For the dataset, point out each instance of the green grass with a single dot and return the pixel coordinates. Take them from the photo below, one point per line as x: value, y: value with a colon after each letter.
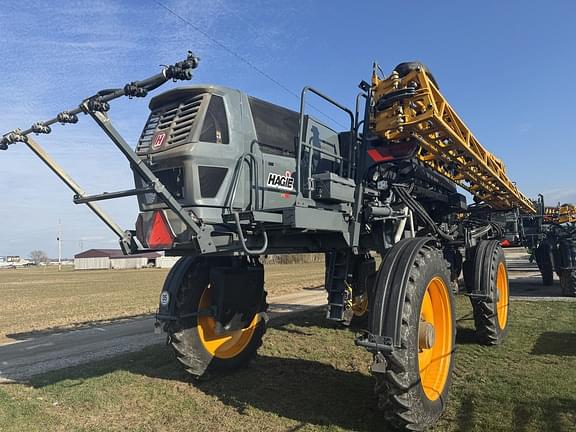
x: 39, y: 299
x: 310, y: 377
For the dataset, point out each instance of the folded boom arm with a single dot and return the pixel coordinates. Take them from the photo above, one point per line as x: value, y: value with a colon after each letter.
x: 412, y: 108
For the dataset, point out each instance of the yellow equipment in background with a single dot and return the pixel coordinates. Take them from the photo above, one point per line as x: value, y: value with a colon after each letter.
x: 567, y: 213
x: 551, y: 214
x: 411, y: 107
x: 560, y: 214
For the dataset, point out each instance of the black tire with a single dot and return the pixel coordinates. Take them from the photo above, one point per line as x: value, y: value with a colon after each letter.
x: 184, y: 336
x: 545, y: 264
x: 568, y: 283
x: 400, y: 391
x: 547, y: 276
x: 490, y: 315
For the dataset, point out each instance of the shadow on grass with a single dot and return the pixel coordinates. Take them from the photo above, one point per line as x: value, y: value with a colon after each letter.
x: 309, y: 392
x: 555, y: 343
x: 465, y: 415
x: 466, y: 336
x: 554, y: 413
x: 302, y: 390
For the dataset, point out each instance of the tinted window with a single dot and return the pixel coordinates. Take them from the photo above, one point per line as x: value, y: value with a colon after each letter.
x: 276, y: 127
x: 215, y: 127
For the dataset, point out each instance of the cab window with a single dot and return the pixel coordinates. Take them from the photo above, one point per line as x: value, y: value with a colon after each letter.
x: 276, y: 127
x: 215, y: 127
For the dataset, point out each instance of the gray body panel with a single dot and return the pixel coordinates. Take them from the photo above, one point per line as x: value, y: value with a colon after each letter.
x: 254, y: 180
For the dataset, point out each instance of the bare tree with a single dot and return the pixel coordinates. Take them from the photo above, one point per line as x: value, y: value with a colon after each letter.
x: 38, y: 256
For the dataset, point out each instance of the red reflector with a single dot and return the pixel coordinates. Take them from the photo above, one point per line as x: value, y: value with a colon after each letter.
x: 160, y: 235
x: 505, y: 243
x: 379, y: 157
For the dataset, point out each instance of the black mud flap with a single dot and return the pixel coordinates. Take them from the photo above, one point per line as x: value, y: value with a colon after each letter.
x: 237, y: 295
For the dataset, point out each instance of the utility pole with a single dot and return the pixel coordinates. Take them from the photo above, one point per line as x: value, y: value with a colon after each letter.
x: 59, y: 245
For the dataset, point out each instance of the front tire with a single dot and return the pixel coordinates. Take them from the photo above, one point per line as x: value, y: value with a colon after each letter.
x: 413, y: 390
x: 545, y: 264
x: 197, y: 346
x: 491, y: 281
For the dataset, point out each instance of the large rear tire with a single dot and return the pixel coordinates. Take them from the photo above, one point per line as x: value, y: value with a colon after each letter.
x: 413, y: 390
x: 197, y: 345
x: 490, y: 279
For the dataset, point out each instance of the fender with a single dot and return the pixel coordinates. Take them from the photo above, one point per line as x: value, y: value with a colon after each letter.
x: 173, y: 282
x: 482, y: 267
x: 393, y: 274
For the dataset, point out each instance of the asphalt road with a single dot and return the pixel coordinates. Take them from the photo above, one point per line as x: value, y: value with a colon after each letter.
x: 23, y: 359
x: 39, y: 354
x: 526, y: 281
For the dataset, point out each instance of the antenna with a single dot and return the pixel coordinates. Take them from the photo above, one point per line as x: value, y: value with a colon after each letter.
x: 59, y: 245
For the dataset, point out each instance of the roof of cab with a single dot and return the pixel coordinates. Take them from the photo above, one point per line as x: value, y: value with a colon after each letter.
x: 170, y: 95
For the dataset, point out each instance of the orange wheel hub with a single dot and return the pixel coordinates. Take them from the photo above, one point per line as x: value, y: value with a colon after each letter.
x: 503, y: 295
x: 435, y: 338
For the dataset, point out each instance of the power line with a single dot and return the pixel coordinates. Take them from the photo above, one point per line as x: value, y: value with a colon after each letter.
x: 242, y: 59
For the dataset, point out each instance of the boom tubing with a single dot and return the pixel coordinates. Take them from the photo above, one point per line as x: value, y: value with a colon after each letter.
x: 412, y: 108
x: 100, y: 101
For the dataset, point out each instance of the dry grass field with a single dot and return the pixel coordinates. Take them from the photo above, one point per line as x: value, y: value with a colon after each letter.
x: 37, y: 299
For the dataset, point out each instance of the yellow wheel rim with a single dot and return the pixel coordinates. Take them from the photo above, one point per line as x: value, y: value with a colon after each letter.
x: 503, y: 294
x: 434, y: 360
x: 225, y: 345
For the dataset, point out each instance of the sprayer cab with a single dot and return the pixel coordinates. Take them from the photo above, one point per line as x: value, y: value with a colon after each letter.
x: 218, y: 151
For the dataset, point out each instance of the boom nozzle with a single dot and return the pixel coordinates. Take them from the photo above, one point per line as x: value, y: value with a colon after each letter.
x: 179, y: 71
x: 12, y: 137
x: 183, y: 69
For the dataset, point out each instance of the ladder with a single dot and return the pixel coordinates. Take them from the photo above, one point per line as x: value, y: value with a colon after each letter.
x: 412, y: 108
x: 339, y: 290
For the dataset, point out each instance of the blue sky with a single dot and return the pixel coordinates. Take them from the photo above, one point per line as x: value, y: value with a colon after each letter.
x: 506, y: 67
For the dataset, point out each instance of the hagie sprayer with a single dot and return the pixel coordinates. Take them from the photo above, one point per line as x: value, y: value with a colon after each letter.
x: 556, y: 249
x: 223, y: 178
